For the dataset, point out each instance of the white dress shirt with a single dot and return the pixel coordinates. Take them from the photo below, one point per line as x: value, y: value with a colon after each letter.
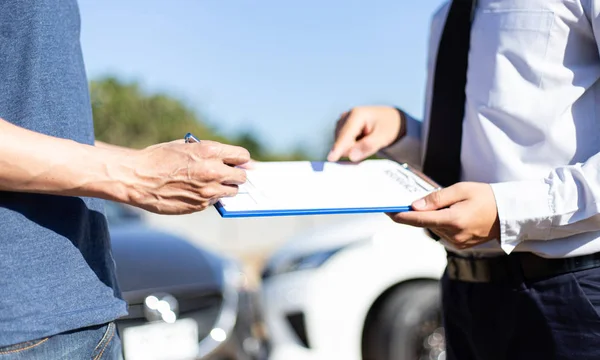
x: 532, y: 122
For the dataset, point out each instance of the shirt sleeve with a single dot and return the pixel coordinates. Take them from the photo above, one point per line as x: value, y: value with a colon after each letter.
x: 566, y: 202
x: 407, y: 148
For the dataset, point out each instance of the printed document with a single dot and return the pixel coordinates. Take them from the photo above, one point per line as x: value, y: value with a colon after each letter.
x: 304, y: 187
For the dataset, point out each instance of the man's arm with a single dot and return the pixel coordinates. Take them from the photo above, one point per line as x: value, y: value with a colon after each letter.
x: 32, y: 162
x: 566, y: 202
x: 366, y: 130
x: 103, y: 145
x: 170, y: 178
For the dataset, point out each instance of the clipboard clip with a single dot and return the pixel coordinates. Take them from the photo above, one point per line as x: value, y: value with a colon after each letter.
x: 422, y: 176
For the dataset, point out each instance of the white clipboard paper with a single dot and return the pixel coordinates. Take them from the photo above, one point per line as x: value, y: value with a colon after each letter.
x: 316, y: 188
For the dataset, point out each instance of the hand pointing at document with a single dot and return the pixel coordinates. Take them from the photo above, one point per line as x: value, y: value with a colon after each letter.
x: 464, y: 214
x: 362, y: 131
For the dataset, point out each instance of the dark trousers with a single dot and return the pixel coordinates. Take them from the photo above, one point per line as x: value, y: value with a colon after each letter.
x: 552, y: 318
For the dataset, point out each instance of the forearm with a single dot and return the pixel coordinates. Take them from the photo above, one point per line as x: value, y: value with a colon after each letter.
x: 32, y: 162
x: 407, y: 147
x: 103, y: 145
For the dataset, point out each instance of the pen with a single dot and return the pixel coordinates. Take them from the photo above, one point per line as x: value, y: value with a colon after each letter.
x: 189, y: 138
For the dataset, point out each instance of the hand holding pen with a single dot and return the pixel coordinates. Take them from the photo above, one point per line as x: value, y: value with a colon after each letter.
x: 181, y: 177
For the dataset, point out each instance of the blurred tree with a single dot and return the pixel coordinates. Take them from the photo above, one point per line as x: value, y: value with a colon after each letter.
x: 298, y: 153
x: 249, y: 141
x: 125, y: 115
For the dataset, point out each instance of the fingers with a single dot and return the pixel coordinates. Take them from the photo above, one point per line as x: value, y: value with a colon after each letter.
x: 348, y: 130
x: 363, y: 131
x: 214, y: 171
x: 229, y: 154
x: 249, y: 165
x: 228, y: 191
x: 234, y: 155
x: 232, y: 176
x: 441, y: 198
x: 219, y: 163
x: 216, y: 191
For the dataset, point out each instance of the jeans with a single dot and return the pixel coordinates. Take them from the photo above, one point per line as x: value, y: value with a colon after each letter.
x: 96, y: 343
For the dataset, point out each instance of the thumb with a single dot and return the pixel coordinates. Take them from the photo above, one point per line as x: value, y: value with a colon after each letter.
x: 439, y: 199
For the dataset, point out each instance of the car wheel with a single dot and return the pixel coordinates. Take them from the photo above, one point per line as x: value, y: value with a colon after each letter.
x: 407, y: 325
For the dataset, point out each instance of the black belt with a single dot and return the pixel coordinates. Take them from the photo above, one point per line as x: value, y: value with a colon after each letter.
x: 505, y: 268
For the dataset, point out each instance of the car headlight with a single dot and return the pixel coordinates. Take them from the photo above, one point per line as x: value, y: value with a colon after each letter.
x: 302, y: 262
x: 234, y: 280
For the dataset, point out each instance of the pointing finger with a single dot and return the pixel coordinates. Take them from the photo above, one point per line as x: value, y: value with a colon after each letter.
x: 346, y: 138
x: 364, y: 148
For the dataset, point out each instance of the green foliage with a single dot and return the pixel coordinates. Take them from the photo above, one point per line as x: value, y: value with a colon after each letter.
x: 127, y: 116
x: 124, y: 115
x: 249, y: 141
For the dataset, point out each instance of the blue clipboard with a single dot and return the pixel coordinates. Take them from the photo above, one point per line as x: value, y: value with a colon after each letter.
x: 419, y: 183
x: 299, y: 212
x: 404, y: 177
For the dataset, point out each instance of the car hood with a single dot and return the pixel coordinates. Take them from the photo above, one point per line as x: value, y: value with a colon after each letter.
x: 331, y: 236
x: 149, y: 260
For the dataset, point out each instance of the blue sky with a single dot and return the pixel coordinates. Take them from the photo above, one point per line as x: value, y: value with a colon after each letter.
x: 283, y: 68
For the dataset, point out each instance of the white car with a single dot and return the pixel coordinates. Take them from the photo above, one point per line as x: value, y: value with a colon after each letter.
x: 366, y: 288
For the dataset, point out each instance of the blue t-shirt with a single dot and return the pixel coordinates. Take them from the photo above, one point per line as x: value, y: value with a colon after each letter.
x: 56, y: 266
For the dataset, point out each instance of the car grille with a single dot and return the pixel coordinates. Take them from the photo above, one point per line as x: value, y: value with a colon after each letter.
x: 204, y: 309
x: 298, y: 324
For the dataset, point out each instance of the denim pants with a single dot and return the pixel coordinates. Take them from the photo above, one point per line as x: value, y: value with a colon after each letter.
x: 95, y: 343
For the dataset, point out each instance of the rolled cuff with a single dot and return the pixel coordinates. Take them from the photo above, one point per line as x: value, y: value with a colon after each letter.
x: 407, y: 148
x: 524, y: 211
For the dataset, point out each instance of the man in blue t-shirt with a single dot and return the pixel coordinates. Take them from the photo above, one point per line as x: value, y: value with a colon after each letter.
x: 59, y: 294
